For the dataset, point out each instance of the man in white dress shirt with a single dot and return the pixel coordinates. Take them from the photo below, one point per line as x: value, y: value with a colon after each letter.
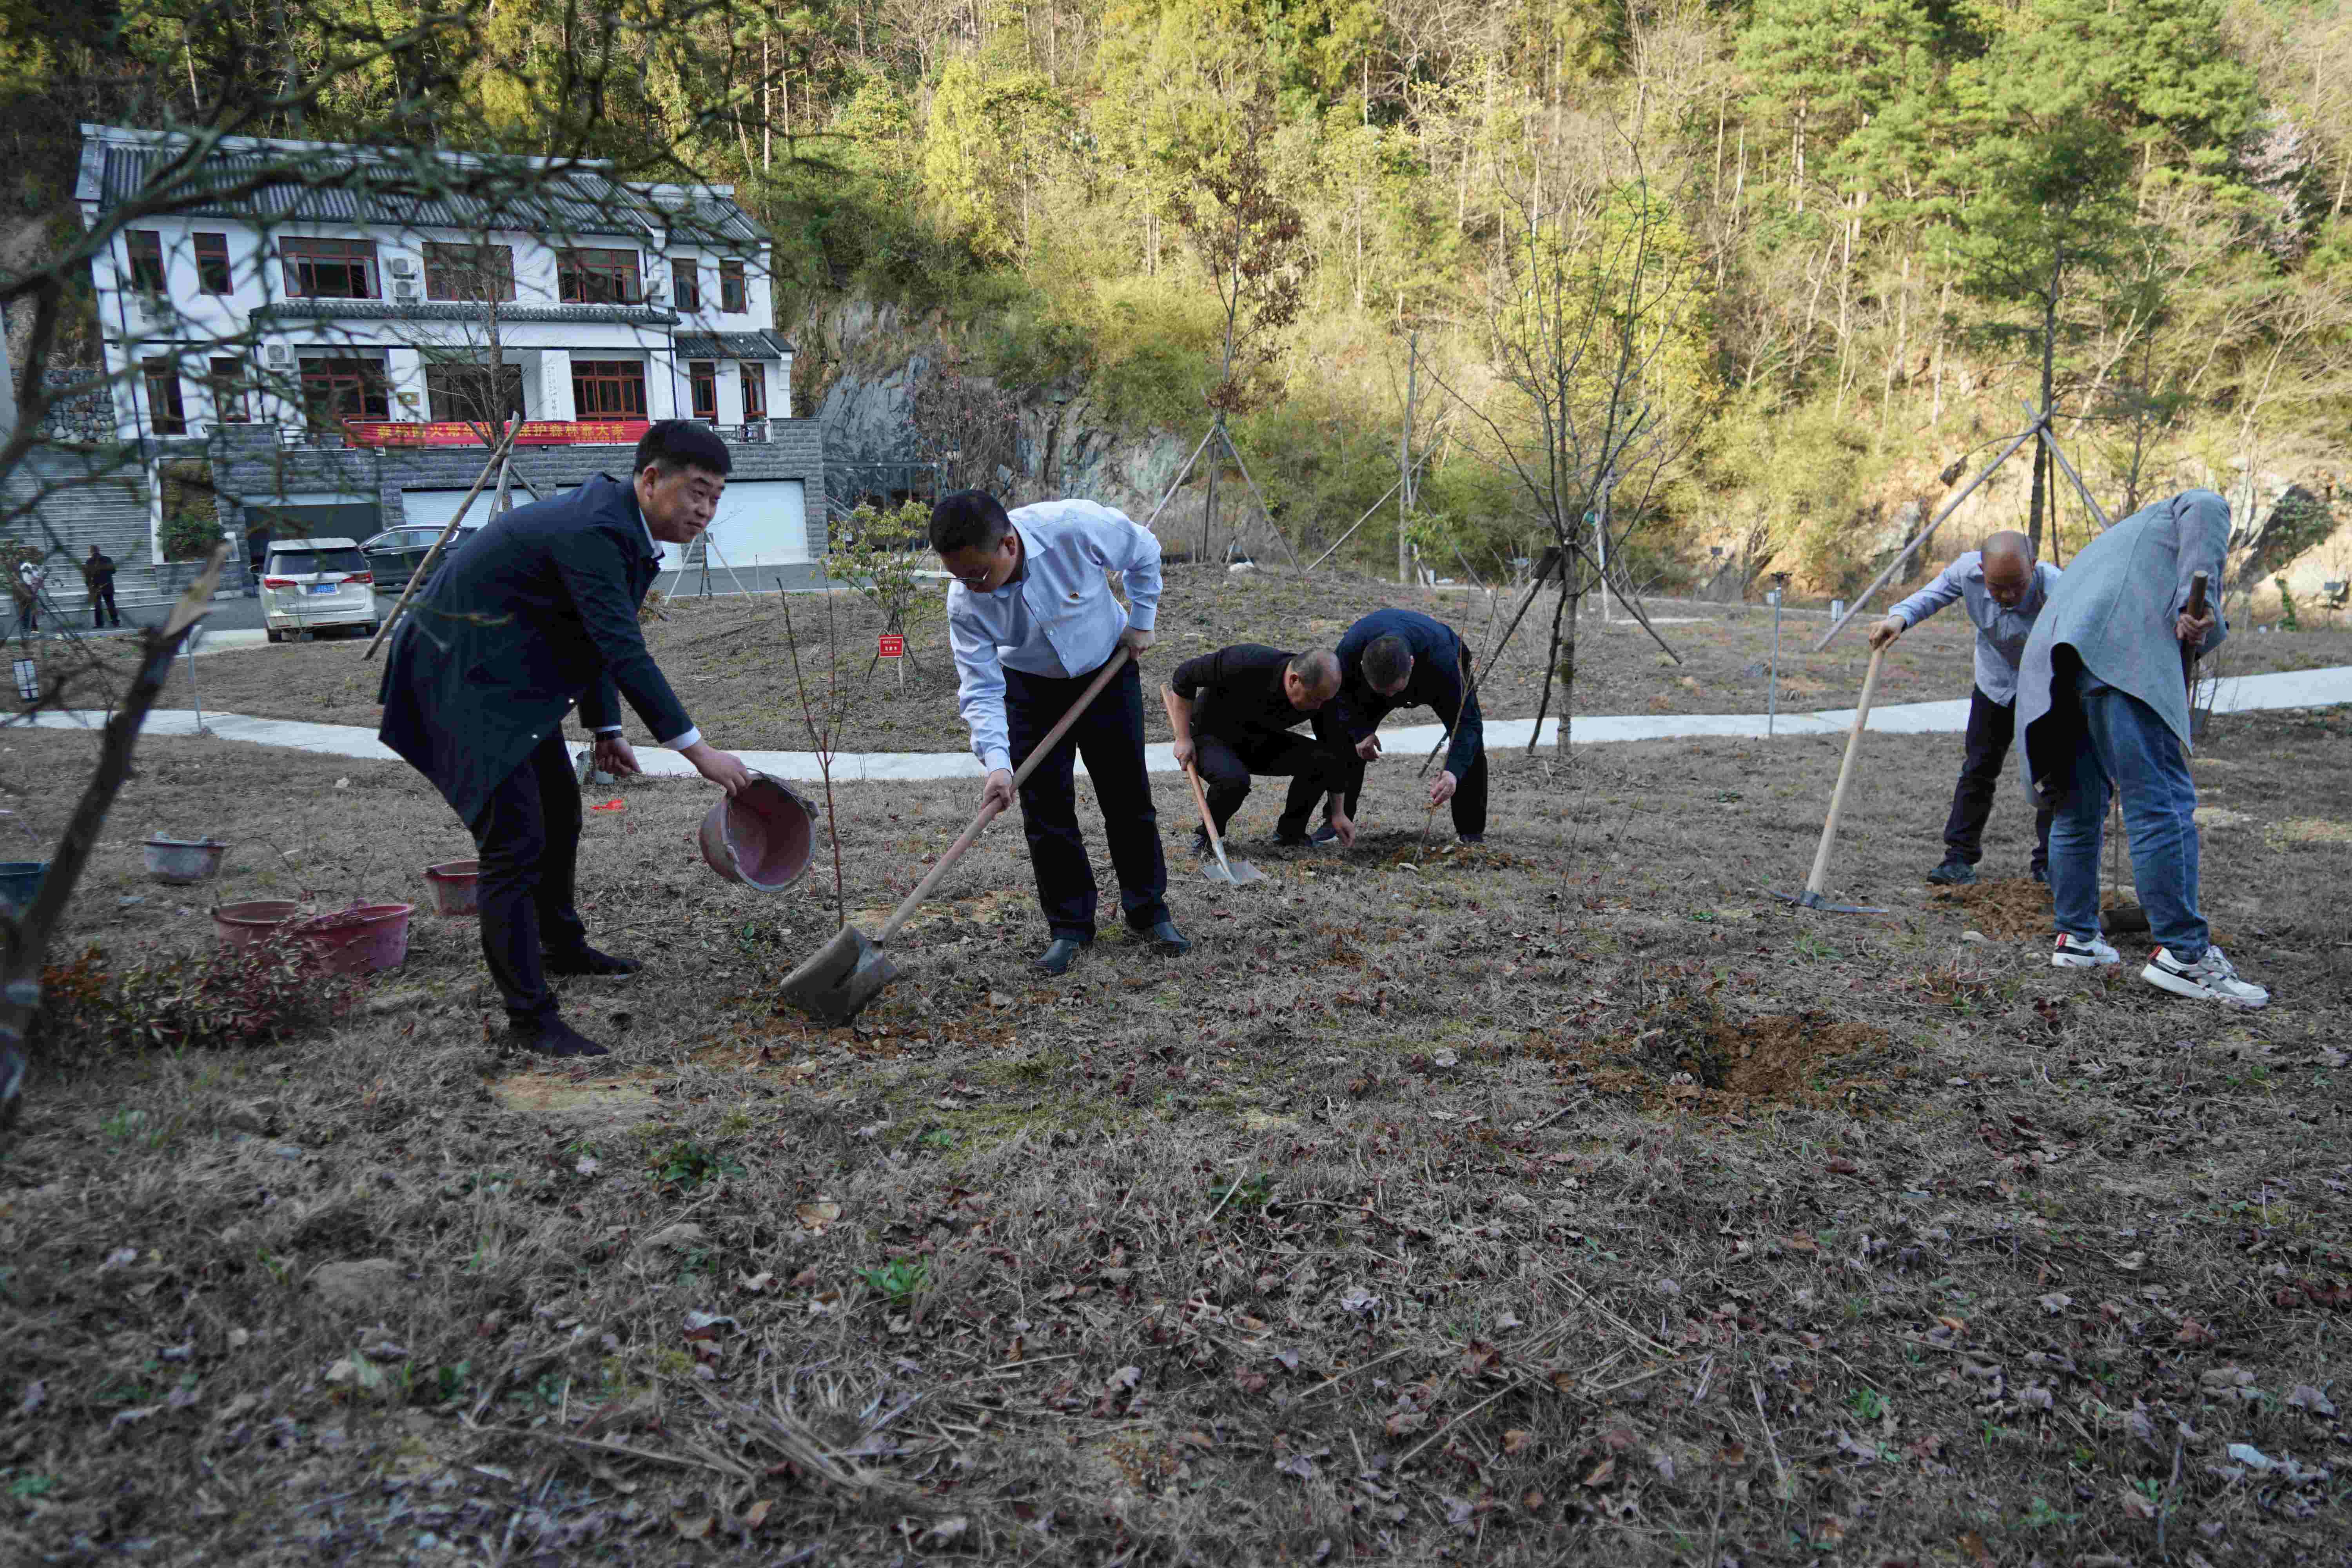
x: 2002, y: 589
x: 1031, y: 620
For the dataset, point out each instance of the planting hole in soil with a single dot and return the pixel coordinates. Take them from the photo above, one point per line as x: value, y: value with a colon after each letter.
x: 2007, y: 909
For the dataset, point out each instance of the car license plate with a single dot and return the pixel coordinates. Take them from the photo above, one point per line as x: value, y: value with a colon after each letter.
x: 326, y: 587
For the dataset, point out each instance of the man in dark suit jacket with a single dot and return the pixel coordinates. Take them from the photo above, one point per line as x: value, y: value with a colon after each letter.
x: 1402, y: 658
x: 535, y: 613
x: 1232, y: 713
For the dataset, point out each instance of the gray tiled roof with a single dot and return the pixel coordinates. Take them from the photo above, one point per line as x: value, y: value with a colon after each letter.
x: 732, y: 345
x: 419, y: 189
x: 443, y: 310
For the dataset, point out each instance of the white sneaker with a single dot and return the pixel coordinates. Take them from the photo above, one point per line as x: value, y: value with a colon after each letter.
x: 2211, y: 978
x: 2072, y: 952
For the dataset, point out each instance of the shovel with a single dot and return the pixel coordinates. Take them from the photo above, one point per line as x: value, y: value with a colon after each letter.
x: 837, y: 982
x: 1234, y: 873
x: 1811, y: 898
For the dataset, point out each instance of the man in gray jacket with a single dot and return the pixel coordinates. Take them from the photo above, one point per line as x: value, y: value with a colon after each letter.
x: 2102, y: 706
x: 2002, y: 589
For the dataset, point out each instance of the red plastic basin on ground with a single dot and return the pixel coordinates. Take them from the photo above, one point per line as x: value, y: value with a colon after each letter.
x: 359, y: 939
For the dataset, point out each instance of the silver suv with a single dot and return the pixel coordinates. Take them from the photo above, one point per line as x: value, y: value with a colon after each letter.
x: 311, y: 585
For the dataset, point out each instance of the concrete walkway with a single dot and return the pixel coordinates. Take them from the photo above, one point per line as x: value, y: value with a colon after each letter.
x: 2239, y: 694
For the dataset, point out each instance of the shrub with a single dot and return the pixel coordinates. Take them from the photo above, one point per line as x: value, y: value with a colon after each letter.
x: 187, y: 538
x: 221, y: 999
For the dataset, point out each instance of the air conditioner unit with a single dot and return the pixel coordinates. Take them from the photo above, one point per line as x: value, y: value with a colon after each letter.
x: 404, y: 267
x: 655, y: 290
x: 278, y: 353
x: 402, y: 289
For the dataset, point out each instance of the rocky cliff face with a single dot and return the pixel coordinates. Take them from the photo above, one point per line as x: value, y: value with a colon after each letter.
x: 858, y: 365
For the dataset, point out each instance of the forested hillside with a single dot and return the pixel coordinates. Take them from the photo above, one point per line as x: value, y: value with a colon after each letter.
x: 1784, y: 265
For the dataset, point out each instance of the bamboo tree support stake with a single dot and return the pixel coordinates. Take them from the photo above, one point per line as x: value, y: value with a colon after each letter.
x: 1922, y: 537
x: 1264, y: 511
x: 425, y: 567
x: 1369, y: 513
x: 2050, y: 438
x: 1181, y: 475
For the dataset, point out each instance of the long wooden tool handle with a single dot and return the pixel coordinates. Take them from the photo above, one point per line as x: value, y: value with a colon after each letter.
x: 1845, y: 777
x: 423, y: 567
x: 1216, y: 841
x: 2197, y: 586
x: 990, y: 812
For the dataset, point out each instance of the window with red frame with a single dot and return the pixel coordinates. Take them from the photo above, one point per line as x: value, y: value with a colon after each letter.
x: 164, y: 408
x: 702, y: 375
x: 731, y: 296
x: 212, y: 264
x: 608, y: 389
x: 755, y: 392
x: 229, y: 391
x: 146, y: 247
x: 329, y: 268
x: 686, y: 283
x: 597, y: 277
x: 336, y: 390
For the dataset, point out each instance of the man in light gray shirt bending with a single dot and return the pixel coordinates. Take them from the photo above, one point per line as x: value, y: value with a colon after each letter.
x: 2004, y: 589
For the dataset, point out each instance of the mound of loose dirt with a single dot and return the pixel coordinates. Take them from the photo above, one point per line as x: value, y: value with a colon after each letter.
x: 1723, y: 1067
x: 2007, y: 910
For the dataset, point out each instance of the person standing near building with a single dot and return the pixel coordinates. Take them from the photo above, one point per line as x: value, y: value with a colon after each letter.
x: 2103, y: 709
x: 26, y: 588
x: 98, y: 577
x: 2003, y: 589
x: 537, y: 613
x: 1031, y: 621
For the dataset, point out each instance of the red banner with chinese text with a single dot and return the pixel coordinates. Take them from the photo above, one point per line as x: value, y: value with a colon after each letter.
x: 534, y: 433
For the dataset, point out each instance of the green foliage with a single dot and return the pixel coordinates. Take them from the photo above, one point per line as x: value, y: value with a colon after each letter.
x: 687, y: 1164
x: 878, y: 551
x: 187, y: 538
x: 897, y: 1281
x: 2287, y: 619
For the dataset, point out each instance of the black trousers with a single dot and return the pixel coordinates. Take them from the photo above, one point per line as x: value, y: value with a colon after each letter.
x: 1469, y: 803
x: 528, y: 836
x: 1991, y: 727
x: 1109, y: 735
x: 1226, y: 762
x: 28, y: 614
x: 102, y: 603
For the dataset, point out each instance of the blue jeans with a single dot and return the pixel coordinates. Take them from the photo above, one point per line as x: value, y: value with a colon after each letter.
x: 2125, y: 747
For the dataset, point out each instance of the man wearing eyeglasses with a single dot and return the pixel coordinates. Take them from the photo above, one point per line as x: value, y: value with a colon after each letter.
x: 1031, y: 621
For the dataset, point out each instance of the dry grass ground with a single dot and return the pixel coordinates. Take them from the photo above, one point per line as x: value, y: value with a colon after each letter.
x: 1564, y: 1199
x: 728, y: 657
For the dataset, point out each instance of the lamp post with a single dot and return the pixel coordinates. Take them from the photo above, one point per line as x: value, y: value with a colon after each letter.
x: 1772, y: 694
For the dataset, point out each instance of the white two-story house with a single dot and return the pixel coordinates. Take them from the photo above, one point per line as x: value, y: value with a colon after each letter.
x: 353, y: 299
x: 331, y: 303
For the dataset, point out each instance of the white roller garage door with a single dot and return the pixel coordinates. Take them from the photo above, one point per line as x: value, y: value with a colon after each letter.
x: 433, y: 508
x: 760, y: 522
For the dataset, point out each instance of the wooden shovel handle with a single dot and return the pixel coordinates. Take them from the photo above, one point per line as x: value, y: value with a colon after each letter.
x: 1216, y: 840
x: 2197, y: 591
x: 1845, y: 777
x: 990, y: 812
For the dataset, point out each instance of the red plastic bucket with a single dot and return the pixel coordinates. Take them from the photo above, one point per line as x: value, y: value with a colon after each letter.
x: 359, y: 939
x: 453, y: 887
x: 761, y: 837
x: 241, y: 925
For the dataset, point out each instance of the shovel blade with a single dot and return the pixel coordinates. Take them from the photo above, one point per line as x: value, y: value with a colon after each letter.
x: 834, y: 983
x: 1241, y: 875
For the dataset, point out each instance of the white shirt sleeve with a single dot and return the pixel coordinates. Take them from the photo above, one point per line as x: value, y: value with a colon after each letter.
x: 980, y: 690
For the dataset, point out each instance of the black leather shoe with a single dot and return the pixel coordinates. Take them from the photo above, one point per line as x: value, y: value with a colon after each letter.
x: 1953, y: 874
x: 552, y: 1037
x: 587, y: 960
x: 1200, y: 851
x: 1166, y: 938
x: 1059, y: 954
x: 1472, y: 837
x: 1295, y: 840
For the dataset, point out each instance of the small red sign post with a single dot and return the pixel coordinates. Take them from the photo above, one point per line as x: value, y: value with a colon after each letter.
x: 891, y: 645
